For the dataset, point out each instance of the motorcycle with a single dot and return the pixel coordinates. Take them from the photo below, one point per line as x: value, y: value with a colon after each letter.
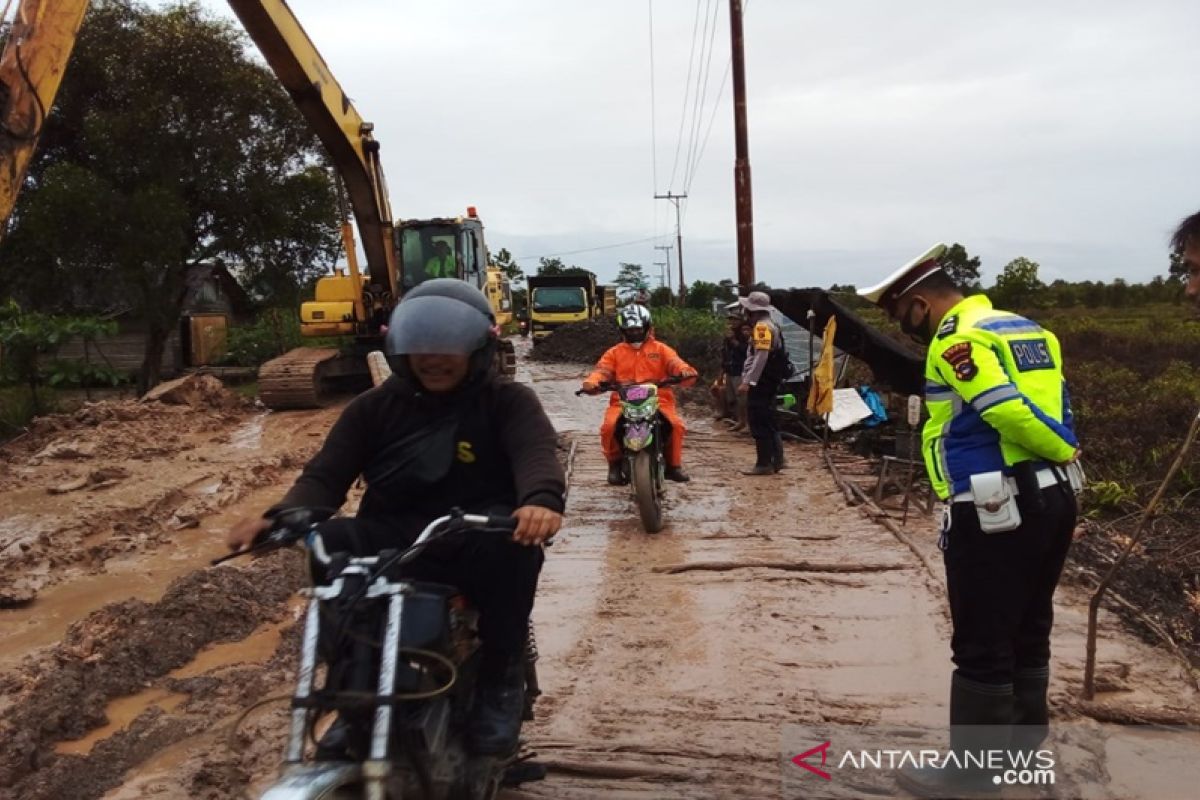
x: 523, y: 326
x: 642, y: 430
x: 412, y: 694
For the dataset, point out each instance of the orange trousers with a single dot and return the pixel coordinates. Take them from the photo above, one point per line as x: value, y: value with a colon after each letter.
x: 666, y: 404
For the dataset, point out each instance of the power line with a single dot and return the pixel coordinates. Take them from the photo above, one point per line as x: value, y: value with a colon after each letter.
x: 713, y: 118
x: 710, y: 29
x: 687, y: 88
x: 590, y: 249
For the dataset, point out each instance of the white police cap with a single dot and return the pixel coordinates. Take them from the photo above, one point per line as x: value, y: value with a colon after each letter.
x: 906, y: 277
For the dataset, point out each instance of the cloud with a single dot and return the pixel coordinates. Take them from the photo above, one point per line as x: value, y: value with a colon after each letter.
x: 1064, y: 132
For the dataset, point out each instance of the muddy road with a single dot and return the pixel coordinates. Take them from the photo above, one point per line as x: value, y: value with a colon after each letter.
x: 670, y: 663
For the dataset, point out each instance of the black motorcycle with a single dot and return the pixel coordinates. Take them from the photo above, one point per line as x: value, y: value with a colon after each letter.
x: 402, y: 659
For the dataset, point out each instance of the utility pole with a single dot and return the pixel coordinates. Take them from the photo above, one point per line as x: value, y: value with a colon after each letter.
x: 675, y: 198
x: 741, y: 166
x: 666, y: 248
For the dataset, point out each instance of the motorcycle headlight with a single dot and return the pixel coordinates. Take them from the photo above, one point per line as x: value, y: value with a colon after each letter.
x: 639, y: 413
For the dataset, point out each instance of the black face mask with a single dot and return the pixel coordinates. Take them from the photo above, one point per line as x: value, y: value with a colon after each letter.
x: 917, y: 330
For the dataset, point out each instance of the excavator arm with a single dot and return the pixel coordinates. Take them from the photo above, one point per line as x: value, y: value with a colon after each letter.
x: 298, y: 65
x: 31, y: 69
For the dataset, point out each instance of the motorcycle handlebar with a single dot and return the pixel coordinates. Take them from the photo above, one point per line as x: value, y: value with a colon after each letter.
x: 289, y: 526
x: 609, y: 386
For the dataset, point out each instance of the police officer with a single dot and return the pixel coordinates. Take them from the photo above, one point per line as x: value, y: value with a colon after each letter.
x: 1001, y: 451
x: 760, y: 384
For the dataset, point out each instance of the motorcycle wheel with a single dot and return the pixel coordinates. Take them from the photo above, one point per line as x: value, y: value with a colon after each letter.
x: 645, y: 493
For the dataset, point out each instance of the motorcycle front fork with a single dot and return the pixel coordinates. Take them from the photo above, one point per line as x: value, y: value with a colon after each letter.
x: 376, y: 770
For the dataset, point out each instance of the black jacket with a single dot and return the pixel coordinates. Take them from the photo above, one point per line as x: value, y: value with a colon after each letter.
x: 493, y: 450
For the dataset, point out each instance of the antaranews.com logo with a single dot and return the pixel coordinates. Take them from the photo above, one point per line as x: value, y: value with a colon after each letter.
x: 1079, y: 759
x: 1006, y: 767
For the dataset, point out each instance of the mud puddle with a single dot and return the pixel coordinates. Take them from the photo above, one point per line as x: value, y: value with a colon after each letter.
x: 142, y: 577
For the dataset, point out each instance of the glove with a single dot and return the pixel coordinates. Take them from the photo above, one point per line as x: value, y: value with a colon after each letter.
x: 589, y: 386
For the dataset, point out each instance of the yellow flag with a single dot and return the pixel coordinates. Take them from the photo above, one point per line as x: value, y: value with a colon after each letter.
x: 820, y: 394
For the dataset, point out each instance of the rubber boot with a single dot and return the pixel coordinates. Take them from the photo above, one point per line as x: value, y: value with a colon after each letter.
x: 495, y: 725
x: 763, y: 461
x: 971, y: 704
x: 1031, y: 711
x: 616, y: 474
x: 676, y: 474
x: 778, y: 462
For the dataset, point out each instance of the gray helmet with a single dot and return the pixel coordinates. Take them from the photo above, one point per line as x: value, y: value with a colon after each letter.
x: 443, y: 315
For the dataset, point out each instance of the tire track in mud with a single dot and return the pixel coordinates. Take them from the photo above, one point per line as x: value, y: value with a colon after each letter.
x: 680, y: 684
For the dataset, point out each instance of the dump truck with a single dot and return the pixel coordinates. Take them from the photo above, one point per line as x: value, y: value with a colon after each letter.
x: 557, y: 300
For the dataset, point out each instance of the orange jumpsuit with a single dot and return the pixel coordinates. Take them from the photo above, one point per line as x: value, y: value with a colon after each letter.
x: 652, y: 362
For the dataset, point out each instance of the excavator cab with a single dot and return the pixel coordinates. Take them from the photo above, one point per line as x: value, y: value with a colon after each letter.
x: 441, y: 248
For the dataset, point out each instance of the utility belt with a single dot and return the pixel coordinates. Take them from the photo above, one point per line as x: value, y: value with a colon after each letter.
x: 995, y: 495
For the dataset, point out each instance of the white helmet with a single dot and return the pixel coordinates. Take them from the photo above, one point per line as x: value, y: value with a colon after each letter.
x: 635, y: 322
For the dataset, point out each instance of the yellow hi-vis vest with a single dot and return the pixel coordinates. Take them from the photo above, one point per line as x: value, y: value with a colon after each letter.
x: 996, y: 396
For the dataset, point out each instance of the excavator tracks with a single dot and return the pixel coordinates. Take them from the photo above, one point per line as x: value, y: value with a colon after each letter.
x: 294, y: 379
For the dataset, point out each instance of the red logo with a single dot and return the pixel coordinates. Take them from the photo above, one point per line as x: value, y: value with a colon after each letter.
x: 823, y: 750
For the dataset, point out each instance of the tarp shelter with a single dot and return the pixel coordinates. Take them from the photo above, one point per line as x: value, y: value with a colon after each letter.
x: 891, y: 363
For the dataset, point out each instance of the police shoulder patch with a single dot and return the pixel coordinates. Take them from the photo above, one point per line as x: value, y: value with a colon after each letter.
x: 1030, y: 354
x: 949, y: 326
x: 762, y: 336
x: 959, y: 356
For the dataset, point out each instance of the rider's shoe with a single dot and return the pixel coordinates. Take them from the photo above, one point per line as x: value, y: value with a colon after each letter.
x: 616, y: 475
x: 676, y: 474
x: 758, y: 469
x: 495, y: 726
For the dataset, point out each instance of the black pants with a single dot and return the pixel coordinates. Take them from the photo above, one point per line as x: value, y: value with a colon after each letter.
x: 496, y: 574
x: 1001, y: 587
x: 764, y: 427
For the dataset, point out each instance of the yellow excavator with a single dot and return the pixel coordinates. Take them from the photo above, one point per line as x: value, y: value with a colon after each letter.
x: 349, y: 304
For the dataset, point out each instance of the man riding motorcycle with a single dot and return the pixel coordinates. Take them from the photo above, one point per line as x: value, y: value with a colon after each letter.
x: 444, y: 432
x: 640, y: 358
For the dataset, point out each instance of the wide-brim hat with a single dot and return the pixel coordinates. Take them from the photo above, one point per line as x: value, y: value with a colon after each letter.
x: 905, y: 278
x: 756, y: 301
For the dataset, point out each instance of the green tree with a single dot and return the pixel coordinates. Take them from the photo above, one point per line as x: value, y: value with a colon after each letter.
x: 662, y: 297
x: 29, y: 340
x: 631, y: 279
x: 168, y: 147
x: 701, y: 295
x: 962, y: 267
x: 1017, y: 285
x: 511, y: 269
x: 727, y: 290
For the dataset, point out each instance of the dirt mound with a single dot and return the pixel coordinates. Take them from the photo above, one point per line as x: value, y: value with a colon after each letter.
x: 197, y: 391
x: 118, y: 651
x: 580, y: 342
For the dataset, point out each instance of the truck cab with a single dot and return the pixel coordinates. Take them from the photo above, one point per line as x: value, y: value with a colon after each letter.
x: 559, y: 300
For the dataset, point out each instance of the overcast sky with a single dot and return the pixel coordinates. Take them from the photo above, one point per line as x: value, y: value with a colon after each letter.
x: 1067, y: 132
